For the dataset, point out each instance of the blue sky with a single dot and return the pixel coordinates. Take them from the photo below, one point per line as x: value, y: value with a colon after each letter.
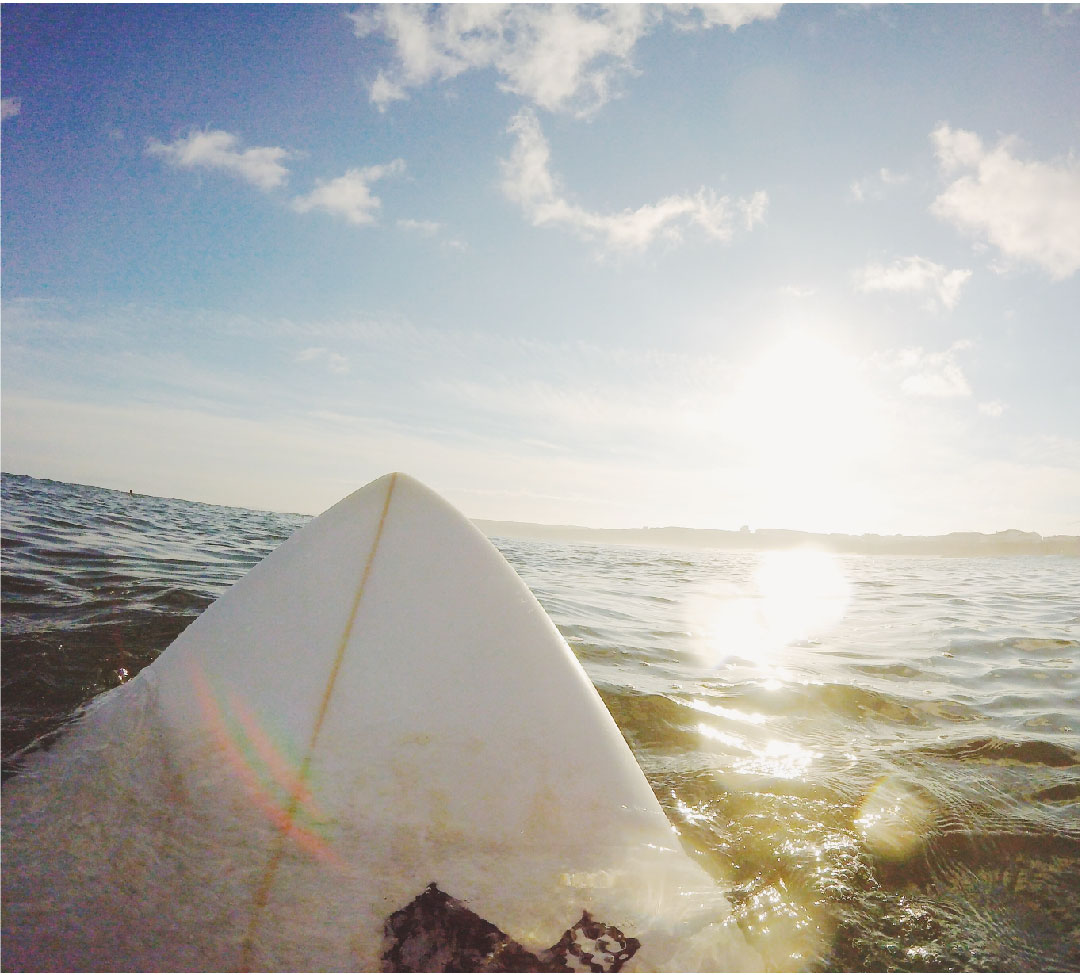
x: 811, y: 267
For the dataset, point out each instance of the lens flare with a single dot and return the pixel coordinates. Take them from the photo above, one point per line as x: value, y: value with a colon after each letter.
x: 893, y: 820
x: 271, y: 778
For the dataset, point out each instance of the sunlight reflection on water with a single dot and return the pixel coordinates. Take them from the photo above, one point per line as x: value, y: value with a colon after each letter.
x: 792, y: 596
x: 789, y: 598
x: 778, y: 759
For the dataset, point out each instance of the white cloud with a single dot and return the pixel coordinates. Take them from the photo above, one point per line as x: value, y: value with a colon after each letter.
x: 932, y: 374
x: 349, y: 196
x: 214, y: 149
x: 384, y: 91
x: 944, y: 379
x: 529, y: 182
x: 559, y: 56
x: 992, y: 408
x: 875, y: 187
x: 694, y: 16
x: 334, y: 361
x: 918, y: 276
x: 10, y: 107
x: 1029, y: 210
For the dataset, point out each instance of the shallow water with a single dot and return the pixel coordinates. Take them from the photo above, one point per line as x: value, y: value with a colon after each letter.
x: 878, y: 758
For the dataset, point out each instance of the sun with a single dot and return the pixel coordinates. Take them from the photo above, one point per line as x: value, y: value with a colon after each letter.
x: 808, y: 423
x: 799, y: 399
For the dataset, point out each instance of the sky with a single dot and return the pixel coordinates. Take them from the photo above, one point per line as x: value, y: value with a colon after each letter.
x: 811, y: 267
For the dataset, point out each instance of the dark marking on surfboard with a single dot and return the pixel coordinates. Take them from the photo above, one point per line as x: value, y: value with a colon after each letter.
x: 438, y: 933
x: 596, y: 946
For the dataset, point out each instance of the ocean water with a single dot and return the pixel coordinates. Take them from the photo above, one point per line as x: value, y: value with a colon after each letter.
x: 878, y: 758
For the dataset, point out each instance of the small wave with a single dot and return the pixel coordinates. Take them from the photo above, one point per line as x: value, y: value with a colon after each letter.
x: 1065, y: 792
x: 652, y: 721
x: 890, y: 670
x: 1032, y: 751
x: 839, y: 700
x: 1036, y: 645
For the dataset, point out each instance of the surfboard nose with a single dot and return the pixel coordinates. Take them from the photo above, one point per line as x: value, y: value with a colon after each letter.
x: 379, y: 704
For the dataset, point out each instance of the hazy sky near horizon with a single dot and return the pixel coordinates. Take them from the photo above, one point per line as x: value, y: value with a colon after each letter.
x: 811, y: 267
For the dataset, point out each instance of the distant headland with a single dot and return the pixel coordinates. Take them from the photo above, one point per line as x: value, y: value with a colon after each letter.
x: 1011, y: 542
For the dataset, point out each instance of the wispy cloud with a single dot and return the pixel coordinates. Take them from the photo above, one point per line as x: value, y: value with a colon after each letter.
x: 425, y: 228
x: 529, y: 182
x: 432, y: 230
x: 10, y: 107
x: 567, y: 419
x: 1029, y: 210
x: 915, y: 275
x: 562, y: 57
x: 349, y: 196
x: 876, y: 186
x: 1063, y: 15
x: 931, y: 374
x: 214, y: 149
x: 333, y: 361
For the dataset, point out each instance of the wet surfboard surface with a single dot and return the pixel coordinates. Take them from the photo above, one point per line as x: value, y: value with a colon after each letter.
x: 374, y: 752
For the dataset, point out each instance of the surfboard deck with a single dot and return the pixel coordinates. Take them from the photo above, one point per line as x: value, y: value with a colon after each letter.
x: 375, y: 751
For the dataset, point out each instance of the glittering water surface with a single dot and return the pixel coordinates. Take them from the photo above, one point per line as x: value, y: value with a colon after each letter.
x: 878, y: 758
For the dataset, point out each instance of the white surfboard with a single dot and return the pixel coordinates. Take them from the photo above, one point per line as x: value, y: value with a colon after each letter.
x: 373, y: 748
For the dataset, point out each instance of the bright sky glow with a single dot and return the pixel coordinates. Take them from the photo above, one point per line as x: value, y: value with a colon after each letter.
x: 807, y: 267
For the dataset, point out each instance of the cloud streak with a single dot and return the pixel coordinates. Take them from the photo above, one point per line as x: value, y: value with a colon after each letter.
x: 214, y: 149
x: 1028, y: 210
x: 10, y: 107
x: 529, y: 182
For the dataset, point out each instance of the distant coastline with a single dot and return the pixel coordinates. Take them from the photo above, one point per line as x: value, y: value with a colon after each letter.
x: 1010, y: 542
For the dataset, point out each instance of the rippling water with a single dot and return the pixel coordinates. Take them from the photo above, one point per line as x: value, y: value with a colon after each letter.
x: 879, y: 758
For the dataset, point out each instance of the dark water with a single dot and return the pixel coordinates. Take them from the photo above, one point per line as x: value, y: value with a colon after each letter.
x: 879, y: 758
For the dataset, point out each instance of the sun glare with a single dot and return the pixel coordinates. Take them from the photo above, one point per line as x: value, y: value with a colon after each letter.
x: 803, y: 592
x: 801, y: 396
x: 806, y: 420
x: 792, y: 596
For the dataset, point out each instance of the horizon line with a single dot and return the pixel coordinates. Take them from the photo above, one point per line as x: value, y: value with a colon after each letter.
x: 742, y: 532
